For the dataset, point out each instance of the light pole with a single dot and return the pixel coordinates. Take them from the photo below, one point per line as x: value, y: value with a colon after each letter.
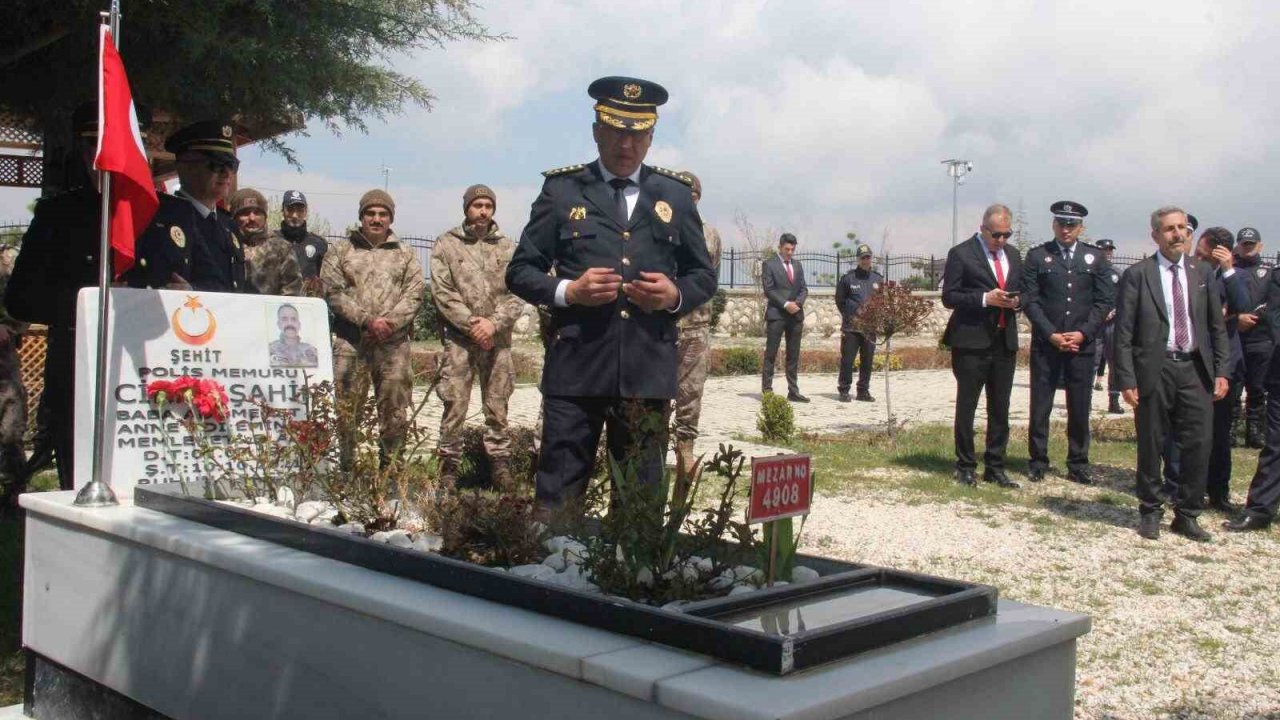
x: 957, y: 169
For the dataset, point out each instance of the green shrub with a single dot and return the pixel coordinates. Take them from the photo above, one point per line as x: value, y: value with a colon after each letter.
x: 426, y: 325
x: 776, y: 421
x: 741, y: 361
x: 718, y: 303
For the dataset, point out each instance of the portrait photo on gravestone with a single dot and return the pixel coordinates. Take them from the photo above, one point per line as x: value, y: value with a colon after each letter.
x: 288, y: 348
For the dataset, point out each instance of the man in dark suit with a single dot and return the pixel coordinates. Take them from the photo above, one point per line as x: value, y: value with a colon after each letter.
x: 625, y: 240
x: 785, y: 293
x: 1066, y: 294
x: 980, y: 286
x: 1264, y: 492
x: 1171, y: 360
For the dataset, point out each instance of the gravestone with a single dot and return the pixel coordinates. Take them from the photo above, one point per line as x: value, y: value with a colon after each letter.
x: 262, y: 349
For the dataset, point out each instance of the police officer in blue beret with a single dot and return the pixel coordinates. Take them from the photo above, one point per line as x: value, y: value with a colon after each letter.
x: 206, y: 157
x: 853, y: 290
x: 1067, y: 293
x: 626, y: 243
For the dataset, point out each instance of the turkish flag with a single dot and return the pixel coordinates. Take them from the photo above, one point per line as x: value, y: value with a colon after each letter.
x: 121, y: 153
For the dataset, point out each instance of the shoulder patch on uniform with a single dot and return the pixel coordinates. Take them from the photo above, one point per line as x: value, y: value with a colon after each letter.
x: 673, y: 175
x: 562, y: 170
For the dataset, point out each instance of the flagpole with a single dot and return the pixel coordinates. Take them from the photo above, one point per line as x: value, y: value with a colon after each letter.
x: 98, y: 492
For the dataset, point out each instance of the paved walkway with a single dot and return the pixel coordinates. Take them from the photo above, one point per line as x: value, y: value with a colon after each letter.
x: 730, y: 406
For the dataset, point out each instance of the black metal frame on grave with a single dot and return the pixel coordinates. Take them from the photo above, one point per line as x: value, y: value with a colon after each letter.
x: 711, y: 627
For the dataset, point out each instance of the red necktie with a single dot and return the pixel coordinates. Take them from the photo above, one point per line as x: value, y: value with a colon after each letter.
x: 999, y: 281
x: 791, y: 278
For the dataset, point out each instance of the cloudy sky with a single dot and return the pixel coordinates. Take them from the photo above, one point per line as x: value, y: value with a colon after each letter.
x: 825, y: 117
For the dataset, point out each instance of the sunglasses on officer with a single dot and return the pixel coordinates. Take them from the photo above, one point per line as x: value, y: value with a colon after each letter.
x: 215, y: 165
x: 1067, y: 222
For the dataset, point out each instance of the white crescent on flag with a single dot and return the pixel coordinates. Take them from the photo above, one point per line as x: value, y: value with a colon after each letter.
x: 121, y: 153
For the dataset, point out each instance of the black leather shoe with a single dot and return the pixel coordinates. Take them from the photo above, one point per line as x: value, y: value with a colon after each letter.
x: 999, y: 478
x: 865, y: 397
x: 1247, y: 523
x: 1224, y: 505
x: 797, y: 397
x: 846, y: 397
x: 1189, y: 528
x: 1114, y: 407
x: 1082, y: 476
x: 1149, y: 526
x: 1035, y: 474
x: 966, y: 477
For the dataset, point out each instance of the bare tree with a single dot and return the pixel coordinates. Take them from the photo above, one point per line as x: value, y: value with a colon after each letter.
x: 891, y: 311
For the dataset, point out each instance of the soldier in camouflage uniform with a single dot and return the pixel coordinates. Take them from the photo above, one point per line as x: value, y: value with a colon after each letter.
x: 374, y: 285
x: 271, y: 263
x: 692, y: 348
x: 468, y: 266
x: 13, y: 396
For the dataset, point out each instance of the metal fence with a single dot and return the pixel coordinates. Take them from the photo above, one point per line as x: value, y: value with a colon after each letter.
x: 741, y: 268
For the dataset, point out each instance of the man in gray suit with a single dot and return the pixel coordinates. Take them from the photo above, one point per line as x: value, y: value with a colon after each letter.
x: 785, y: 293
x: 1171, y: 356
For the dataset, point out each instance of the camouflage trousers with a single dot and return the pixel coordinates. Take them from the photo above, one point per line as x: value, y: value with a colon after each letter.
x: 462, y: 362
x: 13, y: 420
x: 387, y: 365
x: 691, y: 375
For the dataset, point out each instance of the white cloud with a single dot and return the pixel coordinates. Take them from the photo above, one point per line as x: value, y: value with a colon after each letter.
x: 822, y: 117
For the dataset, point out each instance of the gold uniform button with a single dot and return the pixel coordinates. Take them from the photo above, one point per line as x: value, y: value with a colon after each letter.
x: 626, y: 235
x: 626, y: 261
x: 625, y: 315
x: 575, y: 233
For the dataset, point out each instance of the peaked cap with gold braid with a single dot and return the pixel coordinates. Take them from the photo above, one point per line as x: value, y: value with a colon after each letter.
x: 627, y: 103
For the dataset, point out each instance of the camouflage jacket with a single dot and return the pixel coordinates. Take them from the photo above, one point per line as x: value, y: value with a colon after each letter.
x: 468, y: 279
x: 701, y: 315
x: 272, y: 264
x: 364, y: 281
x: 8, y: 254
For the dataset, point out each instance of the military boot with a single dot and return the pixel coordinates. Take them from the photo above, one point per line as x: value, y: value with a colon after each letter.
x: 448, y: 472
x: 500, y: 475
x: 1113, y: 405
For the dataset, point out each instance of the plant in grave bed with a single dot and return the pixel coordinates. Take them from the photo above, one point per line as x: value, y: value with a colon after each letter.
x: 206, y: 410
x: 329, y: 451
x: 485, y: 528
x: 650, y: 543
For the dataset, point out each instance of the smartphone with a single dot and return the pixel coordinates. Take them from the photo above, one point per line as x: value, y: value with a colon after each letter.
x: 1259, y: 310
x: 1013, y: 294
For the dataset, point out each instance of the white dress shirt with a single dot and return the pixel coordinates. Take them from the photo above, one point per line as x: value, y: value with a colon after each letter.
x: 1166, y: 282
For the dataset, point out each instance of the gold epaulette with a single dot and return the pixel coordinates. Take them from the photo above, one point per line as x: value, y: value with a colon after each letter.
x: 673, y: 175
x: 562, y: 170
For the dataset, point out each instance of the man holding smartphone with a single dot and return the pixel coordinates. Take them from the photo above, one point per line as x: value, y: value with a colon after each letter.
x: 1067, y: 294
x: 980, y: 286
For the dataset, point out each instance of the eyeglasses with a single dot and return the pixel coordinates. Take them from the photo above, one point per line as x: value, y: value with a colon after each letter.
x: 998, y: 235
x: 1067, y: 223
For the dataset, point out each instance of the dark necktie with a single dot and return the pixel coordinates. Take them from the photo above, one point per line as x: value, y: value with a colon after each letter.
x: 1066, y: 257
x: 620, y: 199
x: 1181, y: 328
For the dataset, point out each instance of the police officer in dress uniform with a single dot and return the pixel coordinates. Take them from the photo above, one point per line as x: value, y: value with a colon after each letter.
x: 853, y: 290
x: 1264, y: 491
x: 627, y: 245
x: 1255, y: 334
x: 206, y: 157
x: 59, y: 256
x: 1067, y: 294
x: 1106, y: 349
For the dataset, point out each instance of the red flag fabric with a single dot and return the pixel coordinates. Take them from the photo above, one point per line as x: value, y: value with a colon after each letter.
x: 121, y: 153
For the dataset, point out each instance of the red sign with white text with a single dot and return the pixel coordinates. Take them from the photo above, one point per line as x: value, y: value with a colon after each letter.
x: 781, y: 487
